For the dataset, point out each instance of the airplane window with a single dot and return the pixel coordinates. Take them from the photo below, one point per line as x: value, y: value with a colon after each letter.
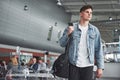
x: 58, y: 35
x: 50, y: 33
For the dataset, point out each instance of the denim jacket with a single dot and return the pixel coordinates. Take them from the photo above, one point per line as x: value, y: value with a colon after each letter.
x: 94, y: 45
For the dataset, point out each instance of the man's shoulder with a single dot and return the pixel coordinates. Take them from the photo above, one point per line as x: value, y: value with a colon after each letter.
x: 92, y: 26
x: 43, y: 63
x: 36, y: 64
x: 75, y: 23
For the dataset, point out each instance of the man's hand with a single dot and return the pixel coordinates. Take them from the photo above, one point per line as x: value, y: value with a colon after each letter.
x: 70, y: 30
x: 99, y: 73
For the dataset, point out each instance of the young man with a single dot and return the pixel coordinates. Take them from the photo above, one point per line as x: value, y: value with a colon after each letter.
x: 85, y: 47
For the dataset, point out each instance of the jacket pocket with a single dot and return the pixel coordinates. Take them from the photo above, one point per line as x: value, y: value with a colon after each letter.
x: 92, y: 36
x: 91, y: 40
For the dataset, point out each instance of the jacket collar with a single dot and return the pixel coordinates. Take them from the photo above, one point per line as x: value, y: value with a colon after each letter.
x: 90, y: 26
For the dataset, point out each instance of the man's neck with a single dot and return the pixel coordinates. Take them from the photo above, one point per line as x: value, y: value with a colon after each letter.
x: 84, y: 23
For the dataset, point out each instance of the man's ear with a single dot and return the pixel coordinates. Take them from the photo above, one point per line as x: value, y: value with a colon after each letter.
x: 80, y: 14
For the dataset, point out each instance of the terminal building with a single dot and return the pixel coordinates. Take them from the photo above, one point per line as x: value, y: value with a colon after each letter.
x: 32, y: 28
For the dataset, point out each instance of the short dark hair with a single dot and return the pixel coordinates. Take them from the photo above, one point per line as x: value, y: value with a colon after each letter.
x: 39, y: 58
x: 86, y: 7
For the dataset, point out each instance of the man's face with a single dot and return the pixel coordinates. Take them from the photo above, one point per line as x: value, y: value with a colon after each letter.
x: 34, y: 60
x: 40, y: 61
x: 86, y: 15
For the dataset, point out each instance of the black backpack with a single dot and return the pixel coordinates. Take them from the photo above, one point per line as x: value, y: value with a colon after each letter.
x: 61, y: 66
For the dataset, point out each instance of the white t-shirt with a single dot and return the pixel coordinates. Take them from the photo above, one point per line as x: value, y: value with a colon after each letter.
x: 83, y: 60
